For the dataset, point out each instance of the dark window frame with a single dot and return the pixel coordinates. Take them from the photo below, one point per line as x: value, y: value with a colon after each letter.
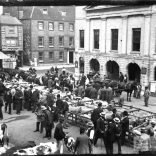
x: 81, y: 38
x: 61, y: 59
x: 51, y: 45
x: 42, y: 41
x: 52, y: 26
x: 39, y: 26
x: 96, y: 38
x: 136, y: 39
x: 61, y: 45
x: 71, y: 41
x: 114, y: 39
x: 51, y: 53
x: 41, y: 58
x: 71, y: 24
x: 59, y: 27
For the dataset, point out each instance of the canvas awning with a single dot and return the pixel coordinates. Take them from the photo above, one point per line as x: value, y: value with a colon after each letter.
x: 3, y: 56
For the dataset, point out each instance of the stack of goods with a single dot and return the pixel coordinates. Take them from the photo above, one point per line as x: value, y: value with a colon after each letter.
x: 42, y: 149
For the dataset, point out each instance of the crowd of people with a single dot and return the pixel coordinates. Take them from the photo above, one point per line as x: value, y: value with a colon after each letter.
x: 108, y: 126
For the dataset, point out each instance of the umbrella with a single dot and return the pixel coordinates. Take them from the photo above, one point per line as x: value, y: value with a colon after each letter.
x: 3, y: 56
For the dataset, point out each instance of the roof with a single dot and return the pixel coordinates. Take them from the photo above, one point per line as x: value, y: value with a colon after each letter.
x: 9, y: 20
x: 54, y: 13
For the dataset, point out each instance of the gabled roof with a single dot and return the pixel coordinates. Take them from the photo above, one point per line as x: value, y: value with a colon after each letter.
x: 56, y: 13
x: 9, y: 20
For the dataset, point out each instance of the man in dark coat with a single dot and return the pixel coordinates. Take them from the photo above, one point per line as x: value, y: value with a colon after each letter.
x: 50, y: 82
x: 30, y: 97
x: 102, y: 93
x: 18, y: 99
x: 8, y: 100
x: 83, y: 144
x: 50, y: 99
x: 59, y: 135
x: 124, y: 126
x: 83, y: 80
x: 87, y: 90
x: 26, y: 98
x: 1, y: 105
x: 65, y: 112
x: 93, y: 93
x: 96, y: 114
x: 59, y: 108
x: 121, y: 77
x: 100, y: 129
x: 35, y: 99
x: 48, y: 122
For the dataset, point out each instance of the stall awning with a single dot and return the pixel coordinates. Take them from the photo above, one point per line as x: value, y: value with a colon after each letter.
x: 3, y: 56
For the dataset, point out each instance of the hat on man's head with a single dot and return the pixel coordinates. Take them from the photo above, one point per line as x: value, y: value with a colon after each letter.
x: 99, y: 104
x: 136, y: 132
x: 102, y: 114
x: 90, y: 124
x: 117, y: 120
x: 125, y: 113
x: 43, y: 108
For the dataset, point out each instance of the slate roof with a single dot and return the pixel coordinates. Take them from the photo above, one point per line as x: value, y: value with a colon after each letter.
x: 54, y: 13
x: 9, y: 20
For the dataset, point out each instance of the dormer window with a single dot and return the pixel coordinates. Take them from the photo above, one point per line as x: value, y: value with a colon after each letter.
x: 45, y: 11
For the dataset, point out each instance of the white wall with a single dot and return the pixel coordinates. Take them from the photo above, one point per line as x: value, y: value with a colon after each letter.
x: 1, y: 10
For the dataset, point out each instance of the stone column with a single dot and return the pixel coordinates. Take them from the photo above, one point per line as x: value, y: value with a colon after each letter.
x: 124, y: 34
x: 103, y: 35
x: 147, y: 34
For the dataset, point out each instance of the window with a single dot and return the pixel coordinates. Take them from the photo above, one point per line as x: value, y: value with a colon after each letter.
x: 45, y: 11
x: 136, y: 39
x: 114, y: 37
x: 51, y: 26
x: 51, y: 56
x: 81, y: 38
x: 51, y: 41
x: 40, y: 56
x: 61, y: 41
x: 11, y: 30
x: 61, y: 26
x: 71, y: 41
x: 71, y: 27
x: 40, y: 41
x: 40, y: 25
x: 61, y: 56
x: 96, y: 38
x: 11, y: 42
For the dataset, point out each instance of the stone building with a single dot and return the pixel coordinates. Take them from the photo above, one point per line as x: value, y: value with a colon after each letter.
x: 48, y: 32
x: 11, y: 40
x: 113, y: 39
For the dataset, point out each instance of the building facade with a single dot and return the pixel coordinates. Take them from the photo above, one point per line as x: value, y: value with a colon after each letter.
x: 113, y: 39
x: 11, y: 40
x: 48, y: 33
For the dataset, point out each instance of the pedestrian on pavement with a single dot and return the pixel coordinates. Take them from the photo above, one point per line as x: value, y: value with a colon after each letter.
x: 30, y: 91
x: 49, y: 124
x: 1, y: 105
x: 121, y: 77
x: 26, y: 97
x: 13, y: 91
x: 18, y: 100
x: 118, y: 131
x: 65, y: 112
x: 35, y: 99
x: 90, y: 132
x: 59, y: 108
x: 124, y: 126
x: 50, y: 99
x: 59, y: 135
x: 96, y: 114
x: 100, y: 129
x: 146, y: 96
x: 8, y: 100
x: 83, y: 144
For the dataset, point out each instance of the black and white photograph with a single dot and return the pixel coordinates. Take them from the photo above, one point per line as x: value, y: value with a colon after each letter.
x: 77, y: 77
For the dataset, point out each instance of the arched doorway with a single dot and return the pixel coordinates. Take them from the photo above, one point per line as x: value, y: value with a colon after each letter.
x: 94, y: 65
x: 81, y: 64
x: 134, y: 72
x: 112, y: 70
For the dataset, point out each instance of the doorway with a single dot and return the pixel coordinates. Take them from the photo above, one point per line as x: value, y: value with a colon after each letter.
x: 71, y: 57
